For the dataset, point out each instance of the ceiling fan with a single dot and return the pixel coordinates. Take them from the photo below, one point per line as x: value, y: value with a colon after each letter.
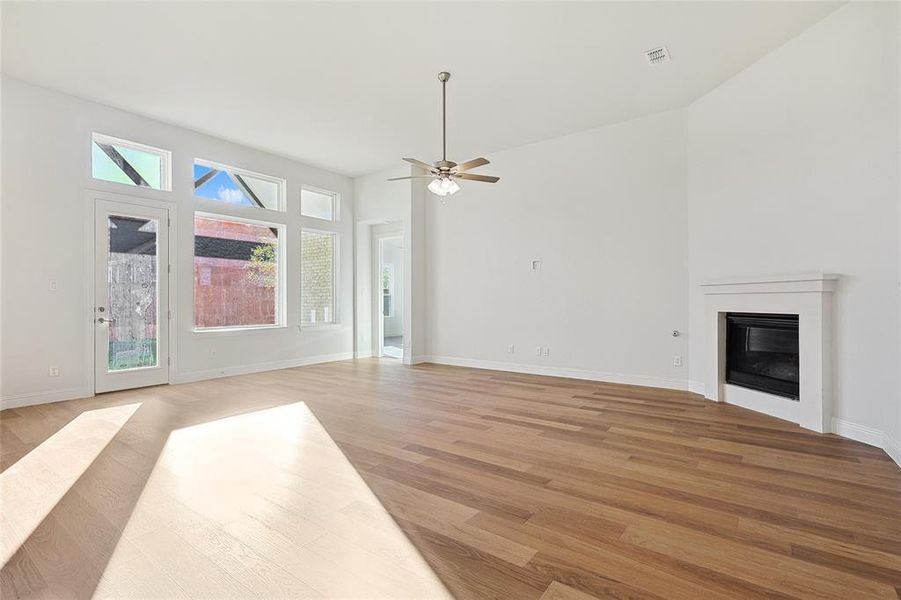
x: 445, y: 173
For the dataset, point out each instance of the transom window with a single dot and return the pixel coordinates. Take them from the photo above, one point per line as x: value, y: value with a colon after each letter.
x: 130, y: 163
x: 232, y: 185
x: 318, y: 204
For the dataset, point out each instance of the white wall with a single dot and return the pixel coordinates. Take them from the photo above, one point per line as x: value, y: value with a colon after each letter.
x: 604, y: 211
x: 45, y: 171
x: 416, y: 269
x: 793, y: 167
x: 378, y: 200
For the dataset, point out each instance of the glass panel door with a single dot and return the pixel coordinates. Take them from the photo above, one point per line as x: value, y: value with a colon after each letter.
x: 131, y: 312
x: 132, y: 294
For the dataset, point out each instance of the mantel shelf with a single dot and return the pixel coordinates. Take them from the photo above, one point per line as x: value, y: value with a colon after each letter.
x: 790, y: 278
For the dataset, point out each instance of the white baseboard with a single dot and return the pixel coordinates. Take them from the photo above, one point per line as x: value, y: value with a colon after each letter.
x: 192, y: 376
x: 868, y: 435
x: 366, y: 354
x: 892, y: 447
x: 860, y: 433
x: 696, y: 387
x: 32, y: 398
x: 415, y: 360
x: 604, y: 376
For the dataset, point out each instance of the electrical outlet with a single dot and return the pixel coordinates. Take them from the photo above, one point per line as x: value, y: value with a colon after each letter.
x: 53, y: 372
x: 537, y: 350
x: 536, y: 264
x: 53, y: 286
x: 510, y: 349
x: 547, y: 350
x: 677, y: 361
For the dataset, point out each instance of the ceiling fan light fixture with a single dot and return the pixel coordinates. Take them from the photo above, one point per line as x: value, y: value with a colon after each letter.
x: 446, y: 172
x: 444, y: 186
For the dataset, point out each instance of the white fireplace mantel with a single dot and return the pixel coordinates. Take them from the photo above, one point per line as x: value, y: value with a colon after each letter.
x: 809, y: 295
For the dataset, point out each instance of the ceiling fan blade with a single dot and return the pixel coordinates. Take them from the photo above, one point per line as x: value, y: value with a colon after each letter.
x: 412, y: 177
x: 419, y: 163
x: 470, y: 164
x: 474, y: 177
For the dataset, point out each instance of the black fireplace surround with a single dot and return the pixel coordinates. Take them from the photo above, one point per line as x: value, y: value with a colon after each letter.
x: 762, y: 352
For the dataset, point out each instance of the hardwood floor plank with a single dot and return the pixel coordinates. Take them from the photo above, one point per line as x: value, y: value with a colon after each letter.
x: 658, y: 573
x: 758, y: 566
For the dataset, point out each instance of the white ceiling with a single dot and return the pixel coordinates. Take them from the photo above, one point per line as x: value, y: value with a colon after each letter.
x: 352, y: 87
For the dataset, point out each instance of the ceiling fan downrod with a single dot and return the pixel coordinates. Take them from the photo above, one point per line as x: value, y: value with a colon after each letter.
x: 443, y: 77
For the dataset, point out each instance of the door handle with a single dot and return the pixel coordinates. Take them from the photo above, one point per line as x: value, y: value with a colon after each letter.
x: 102, y: 320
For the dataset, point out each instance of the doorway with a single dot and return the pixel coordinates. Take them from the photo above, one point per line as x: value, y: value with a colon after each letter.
x: 131, y: 295
x: 391, y: 296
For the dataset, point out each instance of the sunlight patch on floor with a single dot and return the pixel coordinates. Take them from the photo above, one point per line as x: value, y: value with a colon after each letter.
x: 254, y: 505
x: 31, y: 487
x: 393, y: 352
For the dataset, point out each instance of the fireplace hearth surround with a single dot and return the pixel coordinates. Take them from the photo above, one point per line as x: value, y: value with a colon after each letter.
x: 810, y: 297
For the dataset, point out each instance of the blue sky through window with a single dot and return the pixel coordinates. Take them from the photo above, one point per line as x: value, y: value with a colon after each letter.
x: 221, y: 187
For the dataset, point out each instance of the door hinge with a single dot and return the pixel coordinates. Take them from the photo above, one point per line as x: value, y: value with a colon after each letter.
x: 169, y: 312
x: 169, y: 360
x: 168, y: 221
x: 168, y: 268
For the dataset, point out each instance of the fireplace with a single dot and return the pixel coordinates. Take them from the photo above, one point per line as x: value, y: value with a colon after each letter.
x: 804, y: 300
x: 762, y: 353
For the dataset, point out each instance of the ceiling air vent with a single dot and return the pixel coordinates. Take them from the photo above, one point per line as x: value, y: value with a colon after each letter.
x: 657, y: 55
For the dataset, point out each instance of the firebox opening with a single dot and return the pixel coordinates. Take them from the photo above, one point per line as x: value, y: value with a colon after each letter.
x: 762, y: 353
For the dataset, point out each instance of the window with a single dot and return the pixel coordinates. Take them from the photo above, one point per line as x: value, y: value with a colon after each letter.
x: 237, y: 273
x: 318, y: 204
x: 130, y: 163
x: 317, y: 293
x: 388, y: 290
x: 231, y: 185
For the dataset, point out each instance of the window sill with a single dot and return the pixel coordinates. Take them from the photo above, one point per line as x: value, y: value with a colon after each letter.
x: 241, y: 330
x: 317, y: 326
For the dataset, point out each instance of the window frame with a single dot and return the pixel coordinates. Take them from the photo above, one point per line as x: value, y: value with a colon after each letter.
x: 281, y: 182
x: 336, y: 203
x: 336, y: 261
x: 165, y: 164
x: 281, y: 312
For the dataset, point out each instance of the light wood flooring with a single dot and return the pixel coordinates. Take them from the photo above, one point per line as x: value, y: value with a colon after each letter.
x: 368, y: 479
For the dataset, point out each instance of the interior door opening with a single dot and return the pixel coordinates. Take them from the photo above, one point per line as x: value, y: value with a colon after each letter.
x: 131, y: 296
x: 391, y: 297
